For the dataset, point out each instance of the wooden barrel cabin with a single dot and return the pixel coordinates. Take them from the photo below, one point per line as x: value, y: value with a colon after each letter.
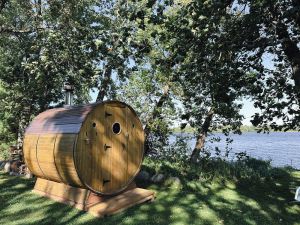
x: 98, y: 146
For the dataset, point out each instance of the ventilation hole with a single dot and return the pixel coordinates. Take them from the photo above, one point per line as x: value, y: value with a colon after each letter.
x: 133, y: 125
x: 94, y: 124
x: 86, y: 133
x: 116, y: 128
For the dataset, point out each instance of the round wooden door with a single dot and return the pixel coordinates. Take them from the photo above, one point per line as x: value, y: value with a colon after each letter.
x: 109, y: 148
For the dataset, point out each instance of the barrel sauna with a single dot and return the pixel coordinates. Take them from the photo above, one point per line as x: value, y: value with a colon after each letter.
x: 97, y: 146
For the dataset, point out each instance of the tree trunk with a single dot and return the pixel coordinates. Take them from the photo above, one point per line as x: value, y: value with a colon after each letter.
x: 156, y: 113
x: 105, y: 84
x: 21, y: 130
x: 202, y: 136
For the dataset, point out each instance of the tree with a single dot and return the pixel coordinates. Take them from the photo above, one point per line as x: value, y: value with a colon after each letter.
x: 115, y: 48
x: 209, y: 67
x: 151, y: 88
x: 271, y: 30
x: 184, y: 44
x: 44, y: 44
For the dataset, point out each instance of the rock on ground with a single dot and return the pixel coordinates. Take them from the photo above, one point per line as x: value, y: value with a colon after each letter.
x: 2, y: 164
x: 28, y: 173
x: 7, y: 167
x: 174, y: 182
x: 143, y: 176
x: 158, y: 178
x: 14, y: 174
x: 14, y: 166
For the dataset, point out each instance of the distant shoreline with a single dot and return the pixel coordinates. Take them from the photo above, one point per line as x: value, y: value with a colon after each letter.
x: 244, y: 129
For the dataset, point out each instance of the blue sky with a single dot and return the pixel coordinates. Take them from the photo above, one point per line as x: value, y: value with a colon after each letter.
x: 247, y: 111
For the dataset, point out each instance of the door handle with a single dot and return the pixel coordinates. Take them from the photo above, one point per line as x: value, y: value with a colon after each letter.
x: 107, y: 114
x: 105, y: 181
x: 106, y: 147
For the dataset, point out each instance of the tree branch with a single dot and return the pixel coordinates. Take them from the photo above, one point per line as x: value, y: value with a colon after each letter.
x: 291, y: 51
x: 156, y: 113
x: 13, y: 31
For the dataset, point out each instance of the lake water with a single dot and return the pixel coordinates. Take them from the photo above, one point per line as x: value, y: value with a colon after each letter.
x: 282, y: 148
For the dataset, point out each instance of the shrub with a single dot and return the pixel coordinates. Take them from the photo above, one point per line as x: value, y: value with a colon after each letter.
x: 248, y: 170
x: 4, y: 151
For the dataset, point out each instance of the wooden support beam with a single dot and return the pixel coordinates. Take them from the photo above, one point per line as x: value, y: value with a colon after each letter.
x: 95, y: 204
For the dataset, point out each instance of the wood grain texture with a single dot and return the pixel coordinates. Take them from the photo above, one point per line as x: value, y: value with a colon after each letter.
x: 61, y: 192
x: 84, y: 199
x: 106, y: 156
x: 45, y: 156
x: 77, y: 146
x: 121, y: 202
x: 29, y: 150
x: 64, y: 160
x: 135, y: 143
x: 60, y: 120
x: 118, y: 151
x: 113, y: 159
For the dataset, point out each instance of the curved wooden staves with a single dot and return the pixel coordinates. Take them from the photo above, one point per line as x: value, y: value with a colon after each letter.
x: 96, y: 146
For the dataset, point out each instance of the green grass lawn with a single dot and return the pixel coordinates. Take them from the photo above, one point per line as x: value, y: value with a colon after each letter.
x: 215, y: 202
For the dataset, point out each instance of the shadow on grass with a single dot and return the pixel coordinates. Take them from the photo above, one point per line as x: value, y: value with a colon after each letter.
x: 215, y: 201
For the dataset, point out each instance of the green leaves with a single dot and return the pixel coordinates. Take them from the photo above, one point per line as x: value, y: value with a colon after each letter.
x: 45, y: 46
x: 268, y: 34
x: 207, y: 54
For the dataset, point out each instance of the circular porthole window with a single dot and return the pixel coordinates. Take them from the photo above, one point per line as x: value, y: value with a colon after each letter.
x: 116, y: 128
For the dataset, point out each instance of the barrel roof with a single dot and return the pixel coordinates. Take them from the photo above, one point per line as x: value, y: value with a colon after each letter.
x: 60, y: 120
